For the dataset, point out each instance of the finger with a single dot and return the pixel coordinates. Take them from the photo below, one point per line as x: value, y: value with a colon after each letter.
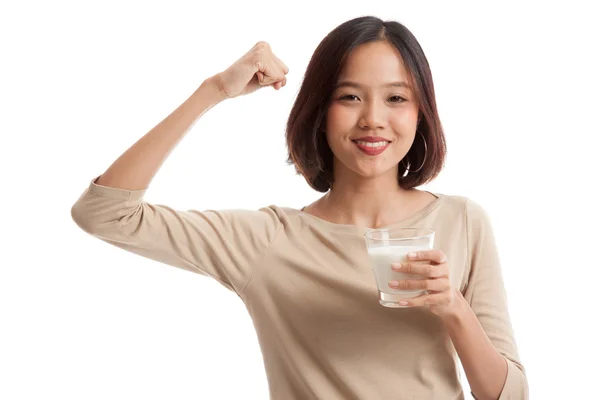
x: 427, y: 300
x: 281, y: 64
x: 426, y: 270
x: 432, y: 285
x: 436, y: 256
x: 261, y: 77
x: 280, y: 84
x: 265, y: 74
x: 279, y: 69
x: 271, y: 72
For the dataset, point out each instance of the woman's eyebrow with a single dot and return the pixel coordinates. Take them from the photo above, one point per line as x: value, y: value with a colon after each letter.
x: 360, y: 86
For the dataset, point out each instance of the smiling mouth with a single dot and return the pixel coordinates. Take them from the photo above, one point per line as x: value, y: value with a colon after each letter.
x: 372, y: 148
x: 372, y: 144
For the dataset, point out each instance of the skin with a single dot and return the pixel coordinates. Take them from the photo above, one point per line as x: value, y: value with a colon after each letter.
x: 366, y: 193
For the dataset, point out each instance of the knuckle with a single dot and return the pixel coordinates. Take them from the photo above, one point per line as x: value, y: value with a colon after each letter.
x: 445, y: 272
x: 429, y: 271
x: 441, y: 257
x: 261, y: 44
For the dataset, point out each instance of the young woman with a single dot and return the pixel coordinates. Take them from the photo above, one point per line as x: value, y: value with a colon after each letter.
x: 365, y: 131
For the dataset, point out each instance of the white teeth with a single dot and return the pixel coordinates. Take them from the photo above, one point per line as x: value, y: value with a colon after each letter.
x: 371, y: 144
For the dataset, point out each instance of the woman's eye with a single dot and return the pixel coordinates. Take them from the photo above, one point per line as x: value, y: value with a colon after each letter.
x: 393, y: 99
x: 397, y: 99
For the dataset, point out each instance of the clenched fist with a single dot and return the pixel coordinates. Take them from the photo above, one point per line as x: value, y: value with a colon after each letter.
x: 257, y: 68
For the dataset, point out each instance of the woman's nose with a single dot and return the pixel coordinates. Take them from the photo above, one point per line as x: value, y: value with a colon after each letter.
x: 373, y: 117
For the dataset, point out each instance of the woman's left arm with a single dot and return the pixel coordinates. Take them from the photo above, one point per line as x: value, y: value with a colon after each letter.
x: 477, y: 322
x: 480, y: 328
x: 485, y: 367
x: 489, y: 357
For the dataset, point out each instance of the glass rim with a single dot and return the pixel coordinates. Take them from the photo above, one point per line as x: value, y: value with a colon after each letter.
x: 428, y: 232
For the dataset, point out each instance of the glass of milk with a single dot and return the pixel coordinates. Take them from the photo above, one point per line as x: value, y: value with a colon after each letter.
x: 387, y: 246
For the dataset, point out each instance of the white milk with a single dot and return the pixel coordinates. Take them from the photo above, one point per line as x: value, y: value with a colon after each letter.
x: 382, y: 259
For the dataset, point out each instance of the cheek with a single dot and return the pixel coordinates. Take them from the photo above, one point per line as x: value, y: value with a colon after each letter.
x: 401, y: 121
x: 339, y: 117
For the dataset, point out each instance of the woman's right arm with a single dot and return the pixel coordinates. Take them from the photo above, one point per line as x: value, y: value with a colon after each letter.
x: 136, y: 167
x: 226, y: 245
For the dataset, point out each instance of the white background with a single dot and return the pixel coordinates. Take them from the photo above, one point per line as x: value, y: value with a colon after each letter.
x: 517, y: 89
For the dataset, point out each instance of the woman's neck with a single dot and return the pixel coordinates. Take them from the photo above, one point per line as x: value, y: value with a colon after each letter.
x: 366, y: 205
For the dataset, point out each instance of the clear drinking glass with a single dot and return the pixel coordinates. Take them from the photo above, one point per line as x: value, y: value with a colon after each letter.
x: 387, y: 246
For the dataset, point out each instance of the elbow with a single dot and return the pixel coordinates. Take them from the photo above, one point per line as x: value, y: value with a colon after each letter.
x: 83, y: 218
x: 516, y: 385
x: 93, y: 221
x: 523, y: 386
x: 105, y: 220
x: 103, y: 213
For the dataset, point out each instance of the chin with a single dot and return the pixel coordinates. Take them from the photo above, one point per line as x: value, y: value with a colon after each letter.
x: 372, y: 173
x: 366, y: 168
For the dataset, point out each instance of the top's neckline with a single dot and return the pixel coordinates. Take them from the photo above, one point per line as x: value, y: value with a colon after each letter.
x: 421, y: 213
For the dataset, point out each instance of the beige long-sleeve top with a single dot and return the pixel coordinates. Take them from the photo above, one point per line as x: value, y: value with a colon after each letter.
x: 309, y: 289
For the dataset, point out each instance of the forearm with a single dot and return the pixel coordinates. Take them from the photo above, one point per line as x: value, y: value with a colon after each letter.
x: 135, y: 168
x: 485, y: 367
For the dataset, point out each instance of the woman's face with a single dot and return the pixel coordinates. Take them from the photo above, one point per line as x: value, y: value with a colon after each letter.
x: 372, y: 99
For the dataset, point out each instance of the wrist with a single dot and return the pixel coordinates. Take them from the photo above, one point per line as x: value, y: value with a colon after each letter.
x: 457, y: 311
x: 211, y: 91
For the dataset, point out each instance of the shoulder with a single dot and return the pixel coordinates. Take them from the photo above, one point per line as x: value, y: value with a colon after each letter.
x: 247, y: 221
x: 473, y: 213
x: 287, y: 215
x: 269, y: 215
x: 463, y: 204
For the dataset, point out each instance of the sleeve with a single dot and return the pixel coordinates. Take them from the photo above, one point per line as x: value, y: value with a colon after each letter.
x: 485, y: 293
x: 226, y: 245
